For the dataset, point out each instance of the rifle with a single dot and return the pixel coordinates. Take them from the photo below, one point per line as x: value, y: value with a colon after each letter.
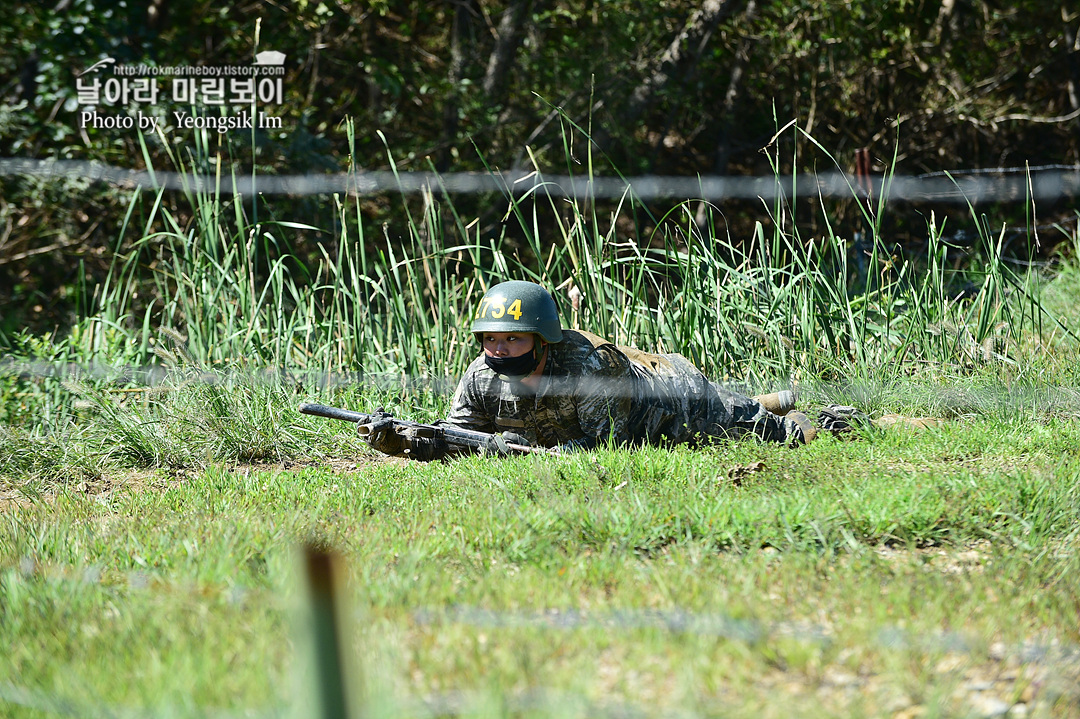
x: 424, y: 442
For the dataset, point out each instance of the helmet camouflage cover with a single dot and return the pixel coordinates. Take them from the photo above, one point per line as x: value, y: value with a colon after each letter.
x: 518, y: 306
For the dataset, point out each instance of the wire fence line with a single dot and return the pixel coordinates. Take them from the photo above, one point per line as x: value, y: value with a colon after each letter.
x: 672, y: 621
x: 1042, y: 183
x: 750, y: 631
x: 157, y: 381
x: 158, y: 376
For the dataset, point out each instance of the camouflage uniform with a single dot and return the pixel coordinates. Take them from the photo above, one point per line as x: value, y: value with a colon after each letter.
x: 592, y: 391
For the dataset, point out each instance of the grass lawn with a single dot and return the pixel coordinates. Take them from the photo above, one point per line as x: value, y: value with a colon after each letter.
x: 898, y: 574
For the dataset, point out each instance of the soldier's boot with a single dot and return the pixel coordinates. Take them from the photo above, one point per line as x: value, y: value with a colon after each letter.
x: 806, y: 427
x: 779, y: 403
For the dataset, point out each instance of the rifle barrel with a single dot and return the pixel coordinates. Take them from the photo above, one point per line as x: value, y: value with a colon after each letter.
x: 347, y: 415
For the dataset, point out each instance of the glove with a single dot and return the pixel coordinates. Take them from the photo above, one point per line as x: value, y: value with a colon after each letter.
x: 839, y: 419
x: 497, y: 443
x: 380, y: 436
x: 426, y: 449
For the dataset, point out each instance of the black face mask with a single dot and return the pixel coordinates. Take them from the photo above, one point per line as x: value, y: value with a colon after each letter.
x: 514, y: 369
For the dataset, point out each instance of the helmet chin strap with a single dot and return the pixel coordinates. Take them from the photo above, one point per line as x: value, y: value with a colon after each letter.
x: 539, y: 353
x: 539, y: 350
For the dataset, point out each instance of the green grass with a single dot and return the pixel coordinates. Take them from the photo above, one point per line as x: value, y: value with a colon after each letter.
x: 679, y: 589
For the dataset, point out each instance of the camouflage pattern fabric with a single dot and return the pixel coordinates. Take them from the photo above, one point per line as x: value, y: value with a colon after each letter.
x: 593, y: 391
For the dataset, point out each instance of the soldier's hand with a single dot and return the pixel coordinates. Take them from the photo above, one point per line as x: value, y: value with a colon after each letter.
x: 380, y: 436
x: 515, y: 438
x: 426, y: 449
x: 498, y: 444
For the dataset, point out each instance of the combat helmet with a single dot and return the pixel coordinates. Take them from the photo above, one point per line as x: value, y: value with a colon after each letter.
x: 517, y: 306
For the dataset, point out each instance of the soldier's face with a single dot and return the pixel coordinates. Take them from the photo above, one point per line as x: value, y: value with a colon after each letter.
x: 508, y: 344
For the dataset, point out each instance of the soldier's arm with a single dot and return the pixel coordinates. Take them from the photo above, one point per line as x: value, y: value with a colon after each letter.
x: 467, y: 409
x: 603, y: 396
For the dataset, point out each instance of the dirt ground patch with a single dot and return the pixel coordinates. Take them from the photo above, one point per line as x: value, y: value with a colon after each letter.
x: 17, y: 494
